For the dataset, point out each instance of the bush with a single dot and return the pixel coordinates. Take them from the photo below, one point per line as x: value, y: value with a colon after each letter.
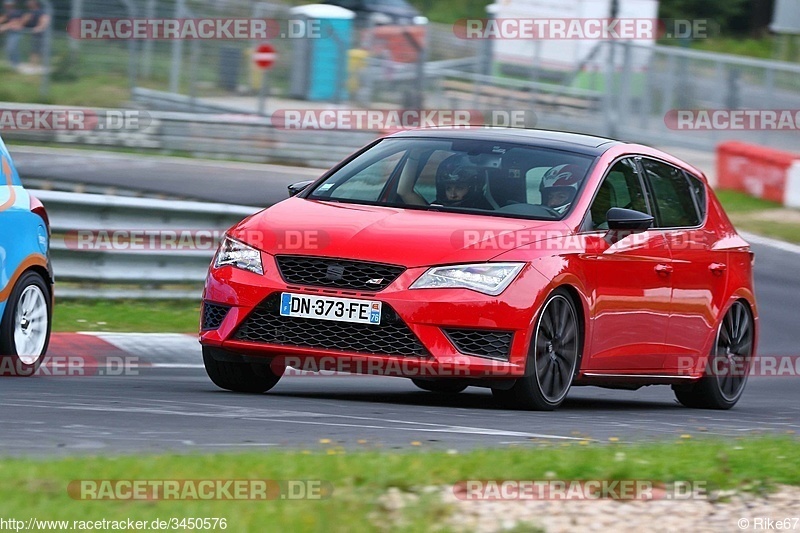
x: 66, y: 67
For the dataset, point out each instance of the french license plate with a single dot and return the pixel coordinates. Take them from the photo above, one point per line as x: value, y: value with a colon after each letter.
x: 330, y: 308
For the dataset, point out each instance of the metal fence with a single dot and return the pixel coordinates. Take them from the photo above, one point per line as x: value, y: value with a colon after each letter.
x: 210, y: 135
x: 638, y: 102
x: 21, y: 48
x: 628, y: 91
x: 223, y: 71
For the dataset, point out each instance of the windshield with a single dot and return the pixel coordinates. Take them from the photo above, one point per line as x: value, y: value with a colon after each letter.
x: 475, y: 176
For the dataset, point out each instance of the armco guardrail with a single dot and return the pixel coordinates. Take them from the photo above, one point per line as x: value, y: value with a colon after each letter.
x: 216, y: 136
x: 84, y: 251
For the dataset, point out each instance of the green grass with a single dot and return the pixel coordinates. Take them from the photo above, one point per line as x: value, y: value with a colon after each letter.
x: 746, y: 212
x: 764, y: 48
x: 739, y: 202
x: 98, y: 75
x: 158, y: 316
x: 98, y: 90
x: 789, y: 232
x: 93, y: 89
x: 449, y: 11
x: 782, y: 48
x: 38, y: 487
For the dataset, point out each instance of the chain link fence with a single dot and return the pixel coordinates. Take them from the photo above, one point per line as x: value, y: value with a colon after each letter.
x: 633, y: 92
x: 28, y: 50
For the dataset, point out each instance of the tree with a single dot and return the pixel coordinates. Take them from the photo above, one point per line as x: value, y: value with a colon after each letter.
x: 729, y: 16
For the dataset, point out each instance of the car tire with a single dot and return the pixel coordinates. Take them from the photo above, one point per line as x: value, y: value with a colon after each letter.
x: 25, y: 326
x: 442, y: 386
x: 553, y: 358
x: 728, y: 364
x: 238, y: 376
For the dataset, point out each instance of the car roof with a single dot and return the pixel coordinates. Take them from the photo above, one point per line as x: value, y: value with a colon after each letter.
x: 574, y: 142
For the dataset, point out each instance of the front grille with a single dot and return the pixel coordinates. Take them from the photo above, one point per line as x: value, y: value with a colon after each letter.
x: 213, y: 315
x: 482, y: 342
x: 339, y: 273
x: 390, y: 337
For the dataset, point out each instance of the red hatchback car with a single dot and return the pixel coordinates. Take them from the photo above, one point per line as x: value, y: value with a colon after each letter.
x: 520, y: 260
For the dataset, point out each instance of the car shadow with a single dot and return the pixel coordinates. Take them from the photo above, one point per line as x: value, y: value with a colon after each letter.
x: 473, y: 398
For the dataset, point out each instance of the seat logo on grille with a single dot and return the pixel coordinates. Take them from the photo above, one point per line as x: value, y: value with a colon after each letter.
x: 375, y: 281
x: 334, y: 272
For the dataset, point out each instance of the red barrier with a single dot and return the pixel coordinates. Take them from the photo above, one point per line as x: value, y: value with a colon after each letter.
x: 756, y: 170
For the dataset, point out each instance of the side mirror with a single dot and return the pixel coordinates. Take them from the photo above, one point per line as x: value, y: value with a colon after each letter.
x: 300, y: 186
x: 620, y: 219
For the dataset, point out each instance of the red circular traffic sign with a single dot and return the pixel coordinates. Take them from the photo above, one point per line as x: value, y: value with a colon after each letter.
x: 264, y: 56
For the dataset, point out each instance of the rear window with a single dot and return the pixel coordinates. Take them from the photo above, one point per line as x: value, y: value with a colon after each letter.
x: 699, y: 193
x: 674, y: 199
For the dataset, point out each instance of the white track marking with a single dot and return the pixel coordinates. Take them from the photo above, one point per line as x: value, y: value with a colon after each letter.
x: 291, y: 417
x: 772, y: 243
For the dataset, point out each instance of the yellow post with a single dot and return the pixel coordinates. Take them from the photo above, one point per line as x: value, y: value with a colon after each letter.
x: 356, y: 61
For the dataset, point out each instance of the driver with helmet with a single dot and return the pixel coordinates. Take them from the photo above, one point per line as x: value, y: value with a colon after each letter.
x: 460, y: 186
x: 559, y: 187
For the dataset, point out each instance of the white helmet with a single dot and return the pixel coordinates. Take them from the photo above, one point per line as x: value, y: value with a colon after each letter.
x: 560, y: 185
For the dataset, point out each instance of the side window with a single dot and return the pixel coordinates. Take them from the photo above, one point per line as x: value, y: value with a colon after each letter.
x: 620, y: 188
x: 699, y: 192
x: 368, y: 183
x: 673, y: 198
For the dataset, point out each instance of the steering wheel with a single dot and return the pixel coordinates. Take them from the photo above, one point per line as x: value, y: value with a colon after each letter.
x: 552, y: 211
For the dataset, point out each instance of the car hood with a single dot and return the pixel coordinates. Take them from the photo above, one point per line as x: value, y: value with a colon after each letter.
x: 408, y: 237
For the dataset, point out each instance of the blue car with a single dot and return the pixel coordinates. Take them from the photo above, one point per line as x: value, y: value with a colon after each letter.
x: 26, y: 276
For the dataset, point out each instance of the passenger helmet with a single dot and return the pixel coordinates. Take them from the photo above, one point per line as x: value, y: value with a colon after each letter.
x: 563, y: 179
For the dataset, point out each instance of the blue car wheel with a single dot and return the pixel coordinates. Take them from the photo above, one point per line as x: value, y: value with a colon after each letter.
x: 25, y: 326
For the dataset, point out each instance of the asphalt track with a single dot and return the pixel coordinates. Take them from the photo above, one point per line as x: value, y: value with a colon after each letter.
x: 168, y: 404
x: 171, y: 177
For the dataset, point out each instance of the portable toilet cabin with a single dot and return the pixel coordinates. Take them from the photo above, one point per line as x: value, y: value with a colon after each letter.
x: 320, y: 58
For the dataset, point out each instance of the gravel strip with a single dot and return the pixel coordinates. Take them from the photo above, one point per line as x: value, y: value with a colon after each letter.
x: 718, y: 512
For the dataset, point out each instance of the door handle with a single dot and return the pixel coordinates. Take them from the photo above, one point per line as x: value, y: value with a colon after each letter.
x: 717, y: 268
x: 664, y: 269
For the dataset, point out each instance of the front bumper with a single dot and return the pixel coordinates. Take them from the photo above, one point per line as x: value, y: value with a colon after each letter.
x: 428, y: 313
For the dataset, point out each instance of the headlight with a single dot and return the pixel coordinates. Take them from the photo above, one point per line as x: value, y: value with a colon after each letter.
x: 488, y: 278
x: 239, y: 255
